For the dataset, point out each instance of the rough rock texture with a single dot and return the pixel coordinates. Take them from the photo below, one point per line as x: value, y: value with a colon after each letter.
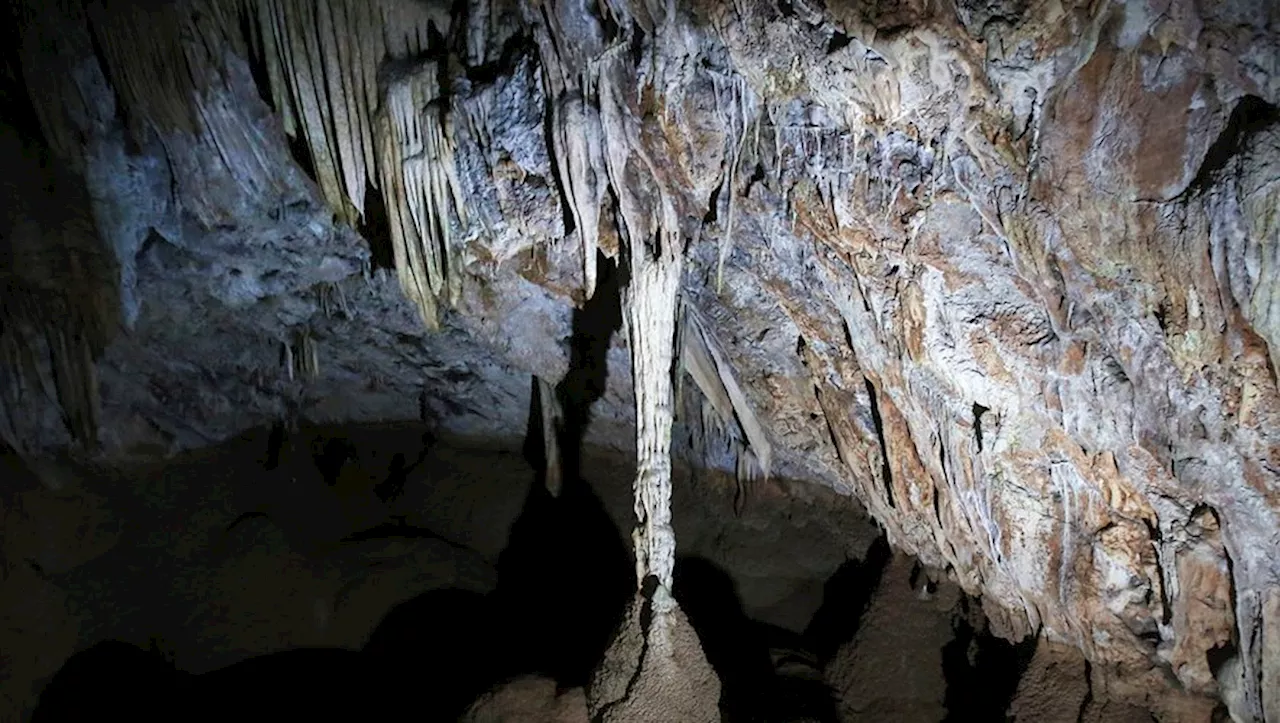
x: 892, y: 670
x: 527, y: 700
x: 1060, y: 685
x: 1054, y: 688
x: 654, y: 669
x: 1005, y: 272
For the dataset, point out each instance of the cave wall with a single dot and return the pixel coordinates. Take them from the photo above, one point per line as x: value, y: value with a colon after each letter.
x: 1003, y: 271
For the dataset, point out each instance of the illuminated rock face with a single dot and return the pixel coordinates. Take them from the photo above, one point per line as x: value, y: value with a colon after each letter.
x: 1005, y: 272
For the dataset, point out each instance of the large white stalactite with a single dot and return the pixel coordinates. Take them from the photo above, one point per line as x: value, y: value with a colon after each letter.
x: 650, y: 303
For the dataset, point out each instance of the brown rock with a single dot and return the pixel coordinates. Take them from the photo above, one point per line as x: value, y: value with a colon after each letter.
x: 654, y: 669
x: 892, y: 669
x: 1054, y: 687
x: 529, y: 700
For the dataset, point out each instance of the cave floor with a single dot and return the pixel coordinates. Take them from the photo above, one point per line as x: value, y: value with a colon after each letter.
x: 373, y: 567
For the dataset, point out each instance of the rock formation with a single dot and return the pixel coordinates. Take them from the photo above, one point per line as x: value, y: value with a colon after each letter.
x: 529, y: 699
x: 1004, y: 272
x: 873, y: 678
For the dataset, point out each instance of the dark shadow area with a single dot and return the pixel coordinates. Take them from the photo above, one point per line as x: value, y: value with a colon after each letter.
x: 593, y: 328
x: 315, y: 683
x: 566, y: 574
x: 375, y: 227
x: 255, y: 59
x: 767, y: 673
x: 798, y: 690
x: 275, y: 444
x: 331, y: 455
x: 436, y: 653
x: 982, y: 671
x: 433, y: 654
x: 708, y: 597
x: 113, y: 680
x: 1251, y: 115
x: 845, y: 598
x: 398, y: 528
x: 390, y: 489
x: 16, y: 109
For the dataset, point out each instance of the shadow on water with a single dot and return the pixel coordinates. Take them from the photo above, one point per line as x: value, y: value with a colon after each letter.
x: 327, y: 683
x: 566, y: 574
x: 564, y: 580
x: 112, y: 680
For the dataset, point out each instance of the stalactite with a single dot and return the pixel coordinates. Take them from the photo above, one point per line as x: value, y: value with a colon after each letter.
x: 59, y: 302
x: 651, y: 302
x: 408, y: 25
x: 577, y: 143
x: 39, y: 332
x: 300, y: 357
x: 142, y: 47
x: 55, y: 95
x: 581, y: 165
x: 420, y: 179
x: 742, y: 114
x: 701, y: 357
x: 479, y: 22
x: 296, y: 26
x: 323, y: 60
x: 334, y: 31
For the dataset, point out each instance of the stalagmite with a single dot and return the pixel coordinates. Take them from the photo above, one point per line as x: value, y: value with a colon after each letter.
x: 654, y: 669
x: 551, y: 419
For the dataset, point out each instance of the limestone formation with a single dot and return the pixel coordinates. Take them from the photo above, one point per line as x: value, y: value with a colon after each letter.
x: 893, y: 668
x: 1003, y: 273
x: 655, y: 669
x: 1054, y: 688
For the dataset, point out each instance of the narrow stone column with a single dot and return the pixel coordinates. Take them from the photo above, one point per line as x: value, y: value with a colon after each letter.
x: 650, y: 301
x: 654, y: 670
